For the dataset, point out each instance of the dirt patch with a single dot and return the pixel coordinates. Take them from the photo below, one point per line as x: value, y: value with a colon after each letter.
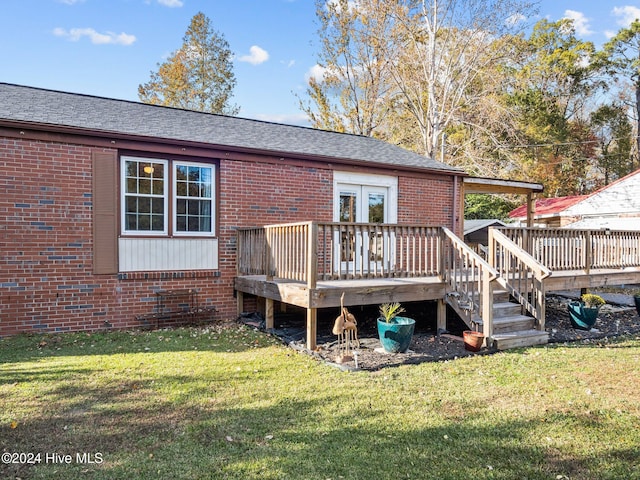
x: 428, y: 345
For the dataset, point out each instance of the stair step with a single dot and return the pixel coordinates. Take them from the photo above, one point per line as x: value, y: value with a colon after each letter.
x: 506, y: 309
x: 500, y: 296
x: 522, y: 338
x: 514, y: 323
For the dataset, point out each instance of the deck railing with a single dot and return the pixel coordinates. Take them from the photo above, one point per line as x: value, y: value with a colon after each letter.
x: 470, y: 282
x: 569, y: 249
x: 519, y: 273
x: 312, y: 251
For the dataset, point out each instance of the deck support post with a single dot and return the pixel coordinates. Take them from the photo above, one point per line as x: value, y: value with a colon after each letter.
x: 531, y: 210
x: 268, y: 313
x: 441, y: 316
x: 312, y: 328
x: 487, y: 307
x: 239, y: 302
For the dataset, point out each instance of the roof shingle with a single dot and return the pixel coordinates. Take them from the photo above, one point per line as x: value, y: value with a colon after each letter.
x: 54, y: 108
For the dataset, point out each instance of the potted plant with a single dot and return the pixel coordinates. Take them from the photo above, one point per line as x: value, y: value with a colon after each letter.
x: 473, y: 339
x: 584, y: 313
x: 395, y: 332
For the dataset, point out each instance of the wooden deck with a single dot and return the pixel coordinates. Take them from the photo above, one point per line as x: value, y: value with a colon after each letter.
x: 311, y: 265
x: 327, y: 293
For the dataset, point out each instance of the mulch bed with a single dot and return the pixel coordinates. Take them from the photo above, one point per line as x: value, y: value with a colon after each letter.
x: 429, y: 346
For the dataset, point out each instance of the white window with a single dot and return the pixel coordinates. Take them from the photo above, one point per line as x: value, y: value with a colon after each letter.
x: 146, y: 197
x: 193, y: 199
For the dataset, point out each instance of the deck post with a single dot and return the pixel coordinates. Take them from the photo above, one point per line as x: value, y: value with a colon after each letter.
x: 268, y: 313
x: 312, y: 326
x: 441, y: 316
x: 312, y: 255
x: 487, y: 306
x: 531, y: 210
x: 312, y: 278
x: 239, y: 302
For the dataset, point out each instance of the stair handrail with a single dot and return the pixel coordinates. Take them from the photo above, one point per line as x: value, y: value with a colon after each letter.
x: 470, y: 281
x: 521, y: 274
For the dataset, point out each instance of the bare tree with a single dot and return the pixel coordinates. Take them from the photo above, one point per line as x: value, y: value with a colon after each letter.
x: 351, y: 89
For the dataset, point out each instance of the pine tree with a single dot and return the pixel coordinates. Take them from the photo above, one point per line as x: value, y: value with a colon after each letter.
x: 197, y: 76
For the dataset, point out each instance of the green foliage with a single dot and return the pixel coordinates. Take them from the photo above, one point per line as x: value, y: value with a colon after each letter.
x: 592, y: 300
x: 479, y: 207
x: 198, y: 76
x: 389, y: 311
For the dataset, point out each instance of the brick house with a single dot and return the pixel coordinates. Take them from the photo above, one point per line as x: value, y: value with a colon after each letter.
x: 104, y: 202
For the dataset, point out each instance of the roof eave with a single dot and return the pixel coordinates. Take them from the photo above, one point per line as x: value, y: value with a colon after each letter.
x: 114, y: 137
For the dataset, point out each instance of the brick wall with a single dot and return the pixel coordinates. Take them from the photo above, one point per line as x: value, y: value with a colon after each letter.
x: 46, y: 277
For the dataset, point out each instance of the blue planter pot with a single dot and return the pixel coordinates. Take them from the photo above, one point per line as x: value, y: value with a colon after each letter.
x: 582, y: 318
x: 395, y: 336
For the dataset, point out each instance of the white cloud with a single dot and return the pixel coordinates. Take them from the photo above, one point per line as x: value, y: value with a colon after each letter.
x: 351, y: 5
x: 316, y: 72
x: 580, y: 22
x: 626, y: 15
x: 96, y: 38
x: 70, y: 2
x: 256, y: 56
x: 171, y: 3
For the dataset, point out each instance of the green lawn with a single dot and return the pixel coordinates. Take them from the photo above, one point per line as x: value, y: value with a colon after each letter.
x: 230, y: 403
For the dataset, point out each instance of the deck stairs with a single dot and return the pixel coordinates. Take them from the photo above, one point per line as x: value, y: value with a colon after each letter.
x: 512, y: 329
x: 503, y: 297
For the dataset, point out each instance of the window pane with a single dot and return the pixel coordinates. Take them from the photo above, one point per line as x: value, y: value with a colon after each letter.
x: 347, y: 207
x: 158, y: 222
x: 376, y: 208
x: 194, y: 190
x: 132, y: 185
x: 181, y: 172
x: 144, y: 186
x: 157, y: 205
x: 158, y: 187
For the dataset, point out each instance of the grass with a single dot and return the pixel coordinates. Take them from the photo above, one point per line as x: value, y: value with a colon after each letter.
x: 231, y: 403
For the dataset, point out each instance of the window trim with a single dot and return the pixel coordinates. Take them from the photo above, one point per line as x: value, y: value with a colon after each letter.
x: 174, y: 199
x: 123, y: 197
x: 170, y: 197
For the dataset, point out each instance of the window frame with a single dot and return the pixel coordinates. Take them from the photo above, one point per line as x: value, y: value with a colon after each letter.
x: 170, y: 166
x: 174, y: 199
x: 123, y: 196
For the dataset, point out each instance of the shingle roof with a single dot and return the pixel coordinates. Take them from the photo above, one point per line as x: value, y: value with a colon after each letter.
x: 40, y: 106
x: 548, y: 206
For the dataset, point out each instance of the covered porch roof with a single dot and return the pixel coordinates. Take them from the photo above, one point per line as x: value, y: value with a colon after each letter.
x: 497, y: 185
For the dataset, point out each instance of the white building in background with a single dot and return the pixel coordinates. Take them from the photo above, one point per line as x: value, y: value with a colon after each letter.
x: 615, y: 206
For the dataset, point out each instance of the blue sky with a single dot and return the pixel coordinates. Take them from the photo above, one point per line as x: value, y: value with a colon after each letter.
x: 109, y: 47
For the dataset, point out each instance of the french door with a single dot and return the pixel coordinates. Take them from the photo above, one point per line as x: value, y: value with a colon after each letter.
x: 358, y: 248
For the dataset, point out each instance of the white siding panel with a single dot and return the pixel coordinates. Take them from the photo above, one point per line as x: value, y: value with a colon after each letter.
x: 166, y: 254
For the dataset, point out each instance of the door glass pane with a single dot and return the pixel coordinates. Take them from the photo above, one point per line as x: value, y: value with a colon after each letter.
x: 347, y: 207
x: 376, y: 207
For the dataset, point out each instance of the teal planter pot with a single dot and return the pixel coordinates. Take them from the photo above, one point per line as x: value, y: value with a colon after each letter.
x: 582, y: 318
x: 395, y: 336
